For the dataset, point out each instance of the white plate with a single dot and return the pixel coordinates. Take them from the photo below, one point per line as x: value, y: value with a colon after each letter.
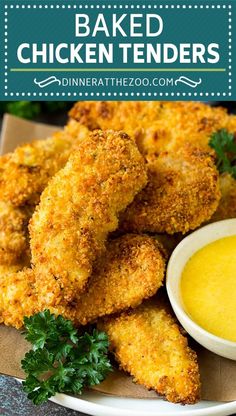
x: 98, y: 404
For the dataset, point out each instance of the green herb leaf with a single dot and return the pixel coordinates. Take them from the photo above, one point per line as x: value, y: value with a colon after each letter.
x: 62, y: 361
x: 25, y: 109
x: 36, y: 362
x: 45, y: 328
x: 224, y: 144
x: 32, y: 109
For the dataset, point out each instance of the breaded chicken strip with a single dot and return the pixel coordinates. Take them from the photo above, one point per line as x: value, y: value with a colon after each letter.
x: 164, y: 126
x: 156, y: 125
x: 17, y: 296
x: 149, y: 345
x: 26, y: 171
x: 23, y: 176
x: 182, y: 193
x: 6, y: 270
x: 131, y: 269
x: 77, y: 211
x: 13, y: 233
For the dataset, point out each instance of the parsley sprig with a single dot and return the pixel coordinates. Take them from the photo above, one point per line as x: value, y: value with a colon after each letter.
x: 224, y: 144
x: 33, y: 109
x: 60, y: 359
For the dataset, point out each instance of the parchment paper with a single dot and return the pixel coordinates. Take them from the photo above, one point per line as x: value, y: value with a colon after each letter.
x: 16, y: 131
x: 218, y: 375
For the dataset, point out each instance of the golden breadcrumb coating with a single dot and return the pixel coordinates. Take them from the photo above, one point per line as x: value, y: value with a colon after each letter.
x: 17, y: 297
x: 23, y: 175
x: 131, y: 269
x: 163, y: 126
x: 13, y: 233
x: 182, y: 193
x: 156, y: 125
x: 26, y: 171
x: 77, y: 211
x: 5, y: 270
x: 148, y: 344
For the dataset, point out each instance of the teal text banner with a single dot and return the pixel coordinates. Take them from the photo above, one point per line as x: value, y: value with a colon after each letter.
x: 118, y: 50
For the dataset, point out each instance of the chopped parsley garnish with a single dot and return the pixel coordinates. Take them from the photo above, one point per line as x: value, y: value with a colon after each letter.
x: 224, y: 145
x: 33, y: 109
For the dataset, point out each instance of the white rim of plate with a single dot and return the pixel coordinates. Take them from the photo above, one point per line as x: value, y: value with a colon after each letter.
x: 88, y: 407
x: 91, y: 408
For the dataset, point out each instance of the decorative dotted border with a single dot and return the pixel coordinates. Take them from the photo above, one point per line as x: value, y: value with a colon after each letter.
x: 117, y: 94
x: 6, y: 52
x: 230, y: 52
x: 114, y: 6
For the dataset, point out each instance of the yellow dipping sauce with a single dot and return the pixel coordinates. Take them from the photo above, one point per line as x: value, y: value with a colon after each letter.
x: 208, y: 288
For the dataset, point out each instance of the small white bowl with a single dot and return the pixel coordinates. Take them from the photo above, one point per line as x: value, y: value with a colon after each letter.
x: 185, y: 249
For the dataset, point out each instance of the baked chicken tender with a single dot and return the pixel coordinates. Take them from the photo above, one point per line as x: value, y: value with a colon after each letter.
x: 78, y: 209
x: 148, y: 344
x: 182, y: 193
x: 159, y: 126
x: 14, y: 242
x: 23, y: 176
x: 156, y: 125
x: 131, y: 269
x: 26, y: 171
x: 17, y: 296
x: 6, y: 270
